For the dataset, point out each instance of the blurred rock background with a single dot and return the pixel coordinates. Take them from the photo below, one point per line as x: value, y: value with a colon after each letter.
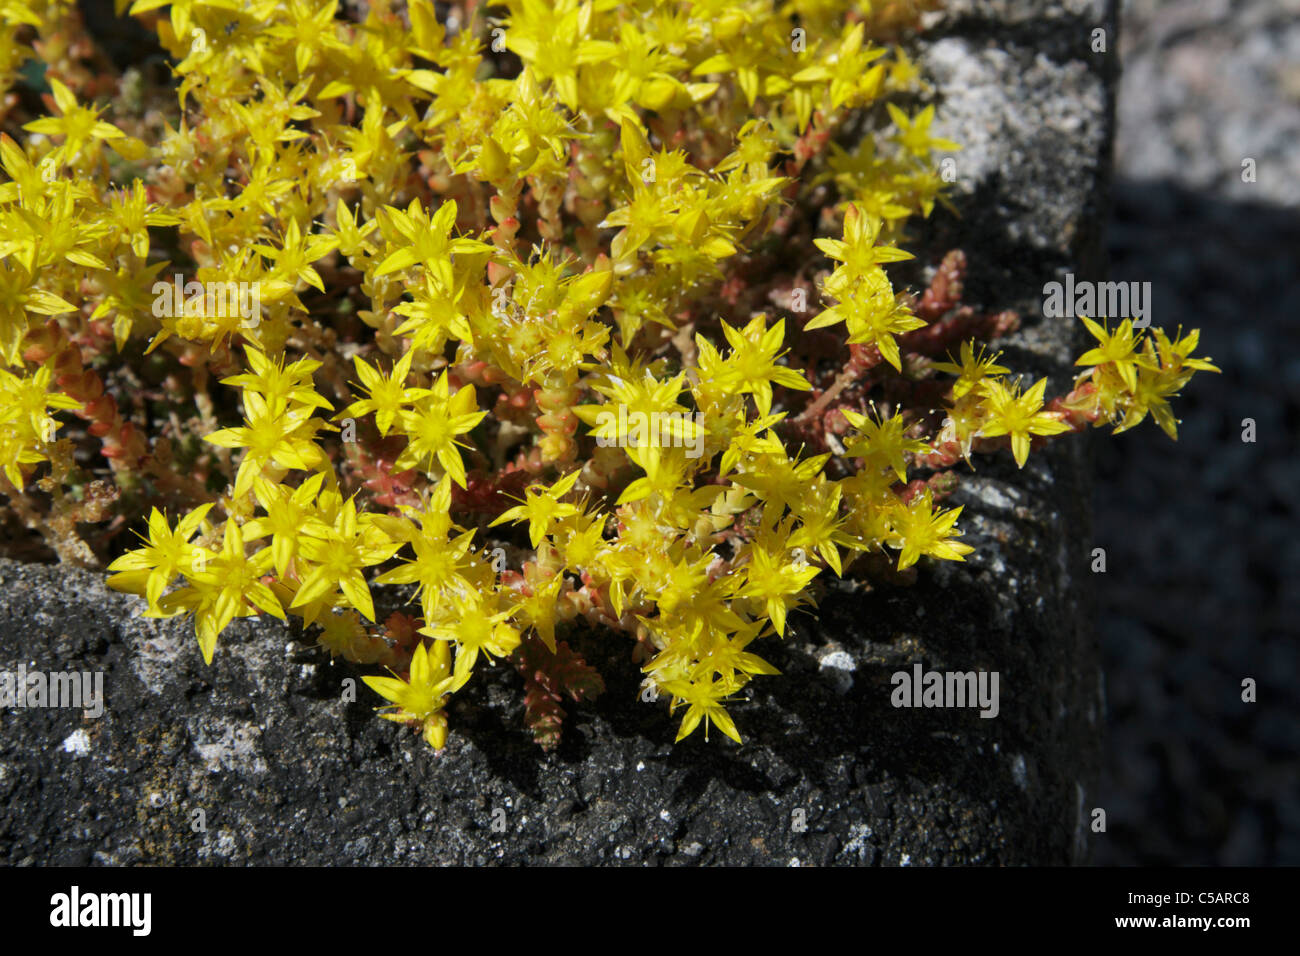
x: 1200, y: 534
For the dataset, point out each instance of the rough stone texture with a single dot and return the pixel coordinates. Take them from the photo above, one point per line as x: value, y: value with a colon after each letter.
x: 1201, y: 534
x: 1208, y: 83
x: 286, y: 771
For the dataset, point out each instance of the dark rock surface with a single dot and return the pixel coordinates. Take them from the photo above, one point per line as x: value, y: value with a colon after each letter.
x: 286, y: 771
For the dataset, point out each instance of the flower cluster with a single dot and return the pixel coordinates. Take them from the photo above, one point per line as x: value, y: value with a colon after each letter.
x: 383, y: 306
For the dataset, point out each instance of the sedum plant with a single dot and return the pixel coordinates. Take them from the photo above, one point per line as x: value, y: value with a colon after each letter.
x: 541, y: 312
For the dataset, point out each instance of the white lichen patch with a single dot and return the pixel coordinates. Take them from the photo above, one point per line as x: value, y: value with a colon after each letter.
x: 226, y: 745
x: 157, y: 647
x: 1019, y: 772
x: 77, y: 743
x: 838, y: 668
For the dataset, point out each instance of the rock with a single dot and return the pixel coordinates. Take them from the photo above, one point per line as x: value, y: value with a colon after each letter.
x: 1194, y: 776
x: 262, y: 749
x: 1207, y: 86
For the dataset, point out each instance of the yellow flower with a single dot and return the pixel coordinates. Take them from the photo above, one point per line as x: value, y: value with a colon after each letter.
x: 428, y: 240
x: 134, y: 214
x: 334, y: 556
x: 148, y: 570
x: 775, y: 577
x: 25, y: 422
x: 704, y: 702
x: 79, y: 125
x: 421, y: 697
x: 475, y: 631
x: 289, y: 514
x: 1019, y: 416
x: 1116, y: 348
x: 542, y: 507
x: 858, y: 250
x: 432, y: 427
x: 228, y: 585
x: 311, y: 31
x: 914, y: 134
x: 18, y: 296
x: 752, y: 367
x: 973, y: 369
x: 270, y: 436
x: 883, y: 444
x: 554, y: 39
x: 294, y: 258
x: 918, y: 530
x: 389, y: 396
x: 278, y: 384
